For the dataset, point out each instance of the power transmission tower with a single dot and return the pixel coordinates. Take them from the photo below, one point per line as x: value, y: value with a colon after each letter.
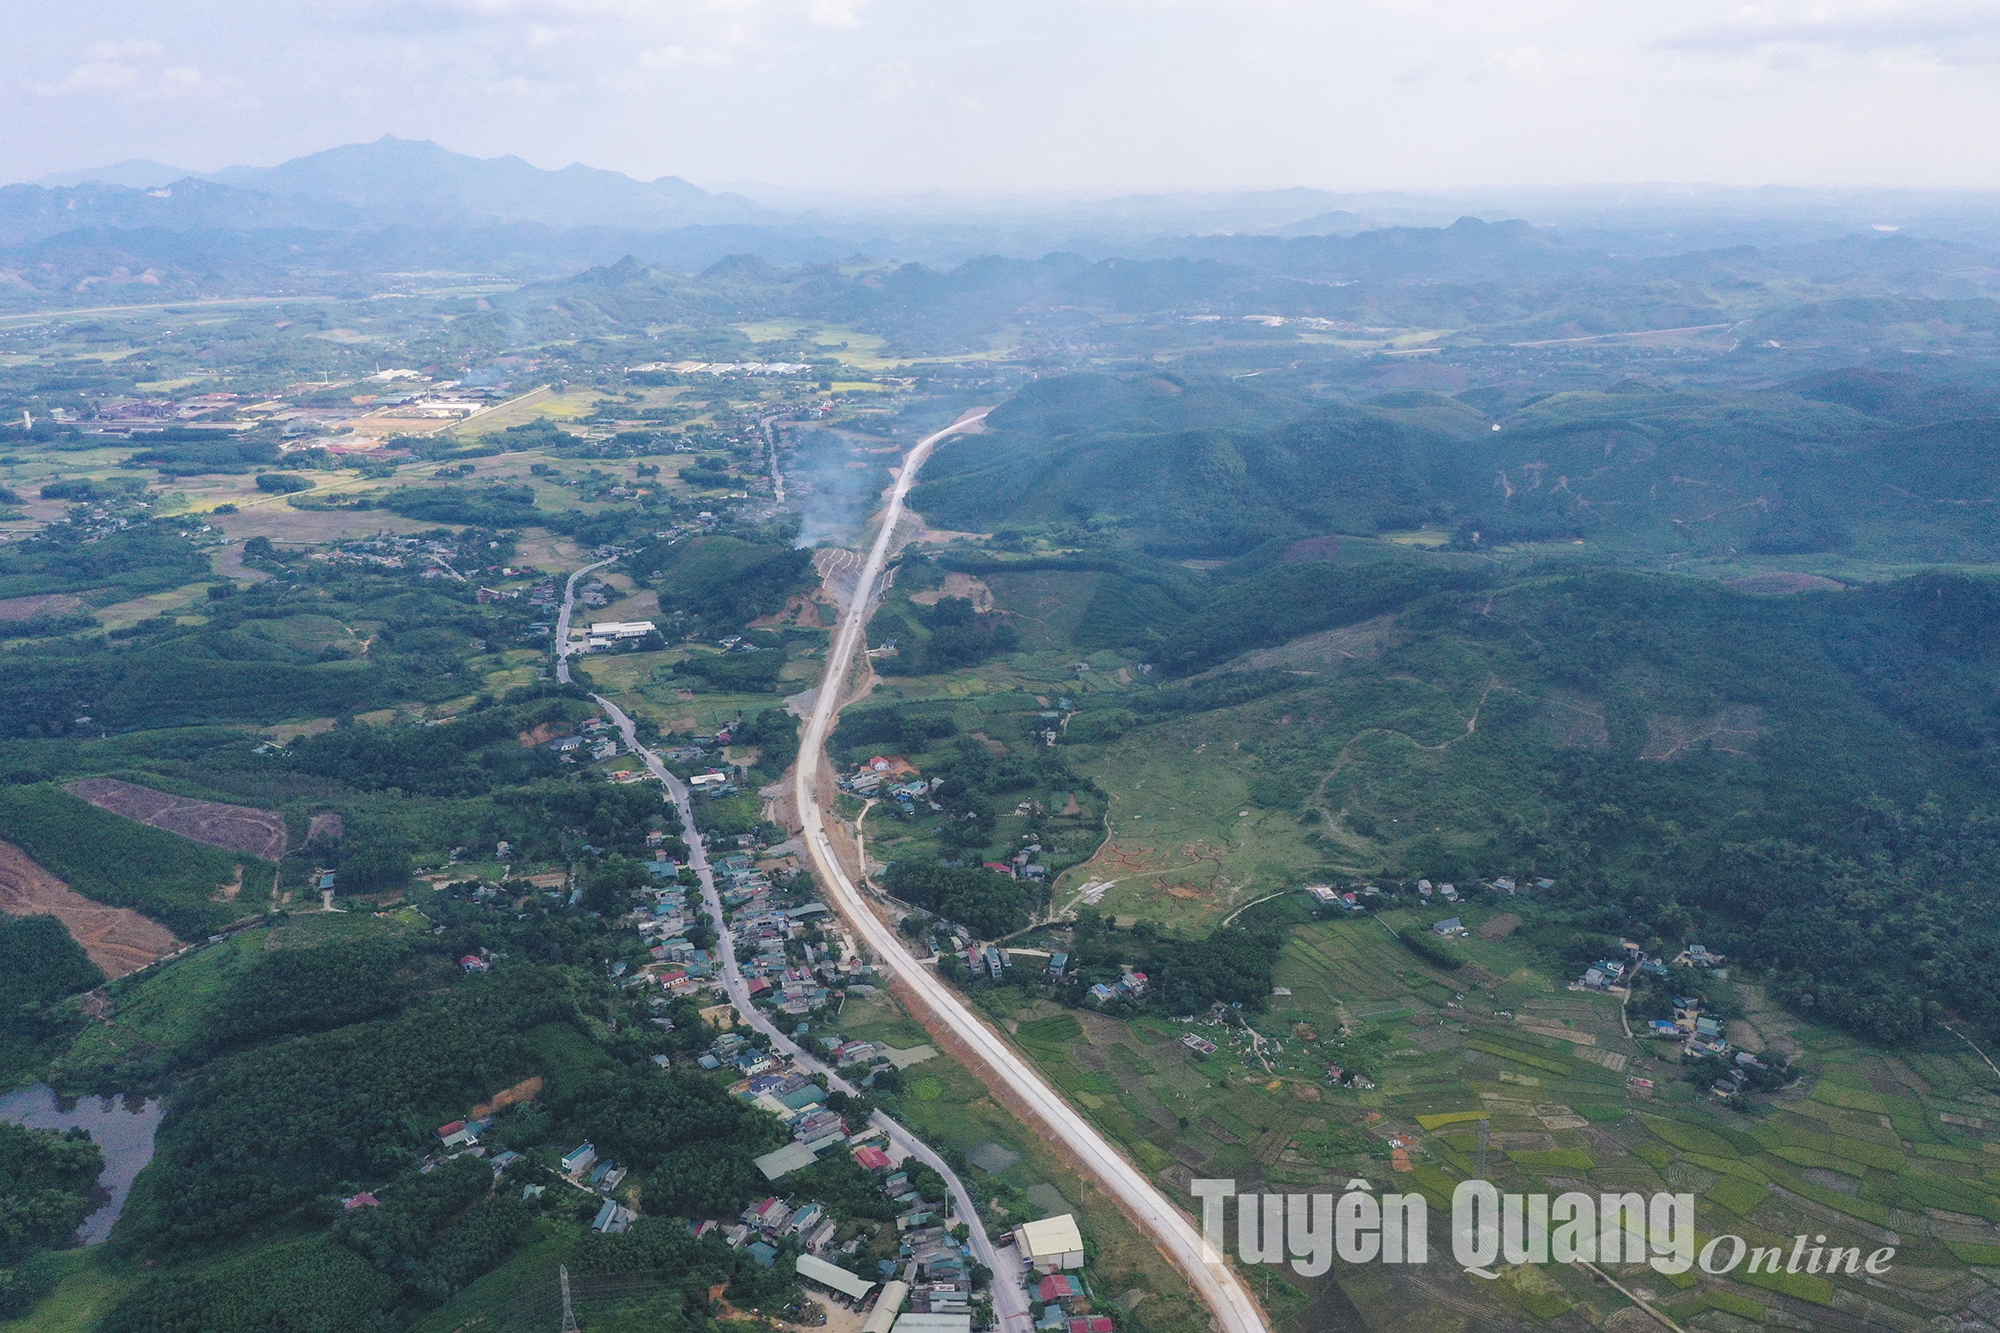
x: 569, y: 1315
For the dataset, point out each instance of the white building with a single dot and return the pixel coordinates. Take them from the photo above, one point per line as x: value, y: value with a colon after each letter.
x: 1050, y: 1244
x: 620, y: 629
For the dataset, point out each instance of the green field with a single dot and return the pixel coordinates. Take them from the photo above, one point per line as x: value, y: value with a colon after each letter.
x: 1450, y: 1058
x: 952, y: 1111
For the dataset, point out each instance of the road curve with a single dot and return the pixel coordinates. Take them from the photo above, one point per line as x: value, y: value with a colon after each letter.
x: 1010, y: 1298
x: 562, y: 619
x: 1172, y: 1230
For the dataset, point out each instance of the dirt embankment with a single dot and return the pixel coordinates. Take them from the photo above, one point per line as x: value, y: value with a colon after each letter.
x: 117, y: 939
x: 525, y: 1091
x: 234, y: 828
x: 45, y: 604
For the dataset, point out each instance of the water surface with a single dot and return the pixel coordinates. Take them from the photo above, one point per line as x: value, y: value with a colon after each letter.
x: 122, y: 1127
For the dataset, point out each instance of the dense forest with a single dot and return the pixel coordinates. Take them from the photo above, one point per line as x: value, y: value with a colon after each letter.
x: 40, y: 966
x: 48, y: 1186
x: 1850, y: 461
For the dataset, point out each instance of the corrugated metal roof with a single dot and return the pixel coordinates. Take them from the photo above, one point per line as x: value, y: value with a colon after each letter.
x: 819, y: 1270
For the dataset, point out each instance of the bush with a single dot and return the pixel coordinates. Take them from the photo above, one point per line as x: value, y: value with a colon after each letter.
x: 1429, y: 948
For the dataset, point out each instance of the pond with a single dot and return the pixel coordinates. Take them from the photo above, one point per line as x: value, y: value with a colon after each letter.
x: 123, y: 1128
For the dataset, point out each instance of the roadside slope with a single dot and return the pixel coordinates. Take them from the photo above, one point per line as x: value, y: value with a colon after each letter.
x: 1010, y: 1077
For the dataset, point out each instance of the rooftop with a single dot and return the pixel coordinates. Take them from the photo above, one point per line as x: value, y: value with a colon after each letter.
x: 1051, y: 1236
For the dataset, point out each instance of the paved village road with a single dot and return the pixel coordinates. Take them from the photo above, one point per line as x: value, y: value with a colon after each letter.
x: 562, y: 619
x: 1172, y: 1230
x: 1010, y: 1299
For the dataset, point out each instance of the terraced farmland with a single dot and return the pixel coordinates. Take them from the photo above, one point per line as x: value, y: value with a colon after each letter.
x: 1496, y: 1070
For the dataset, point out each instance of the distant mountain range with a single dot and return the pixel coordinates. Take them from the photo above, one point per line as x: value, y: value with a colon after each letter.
x: 359, y: 218
x: 409, y: 182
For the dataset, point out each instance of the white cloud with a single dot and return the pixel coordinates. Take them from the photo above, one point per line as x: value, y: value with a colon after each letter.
x: 679, y: 57
x: 97, y: 76
x: 1852, y: 28
x: 835, y: 13
x: 124, y: 50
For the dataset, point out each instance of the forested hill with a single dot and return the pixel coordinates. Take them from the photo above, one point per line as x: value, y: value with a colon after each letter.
x: 1874, y: 465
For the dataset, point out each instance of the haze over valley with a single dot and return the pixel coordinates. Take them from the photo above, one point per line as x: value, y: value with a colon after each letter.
x: 916, y: 677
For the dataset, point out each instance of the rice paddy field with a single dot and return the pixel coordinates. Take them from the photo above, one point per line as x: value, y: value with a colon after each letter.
x: 1498, y: 1070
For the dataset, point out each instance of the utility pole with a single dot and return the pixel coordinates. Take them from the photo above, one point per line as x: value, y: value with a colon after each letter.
x: 569, y: 1315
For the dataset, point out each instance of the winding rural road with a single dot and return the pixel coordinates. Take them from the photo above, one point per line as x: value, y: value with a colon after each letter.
x: 1171, y: 1229
x: 1010, y: 1297
x: 562, y: 622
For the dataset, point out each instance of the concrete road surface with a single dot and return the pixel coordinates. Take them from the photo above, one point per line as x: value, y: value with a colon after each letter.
x: 1012, y: 1078
x: 1010, y: 1299
x: 562, y: 619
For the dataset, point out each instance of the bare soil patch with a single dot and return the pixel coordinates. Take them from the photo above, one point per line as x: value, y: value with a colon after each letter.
x: 801, y: 611
x: 286, y: 732
x: 1325, y: 549
x: 228, y: 893
x: 1574, y: 722
x: 958, y: 585
x: 525, y: 1091
x: 326, y: 827
x: 235, y: 828
x: 1731, y: 730
x: 47, y: 604
x: 229, y: 564
x: 117, y: 939
x: 1500, y: 927
x: 543, y: 733
x: 1783, y: 584
x: 285, y: 525
x: 1317, y: 652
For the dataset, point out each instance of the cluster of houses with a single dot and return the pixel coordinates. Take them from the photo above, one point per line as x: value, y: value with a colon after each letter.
x: 677, y: 967
x: 1606, y: 973
x: 1022, y: 865
x: 928, y: 1286
x: 1131, y: 986
x: 764, y: 929
x: 893, y: 777
x: 594, y: 736
x: 1349, y: 900
x: 1354, y: 900
x: 583, y: 1168
x: 1700, y: 1035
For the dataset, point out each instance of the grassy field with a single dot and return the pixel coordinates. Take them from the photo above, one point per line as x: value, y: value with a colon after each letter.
x: 158, y: 1012
x: 643, y: 685
x: 1867, y: 1142
x: 1186, y: 845
x: 85, y: 1291
x: 950, y: 1108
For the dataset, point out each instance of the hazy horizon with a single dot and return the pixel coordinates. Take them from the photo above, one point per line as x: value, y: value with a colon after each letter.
x: 1051, y: 98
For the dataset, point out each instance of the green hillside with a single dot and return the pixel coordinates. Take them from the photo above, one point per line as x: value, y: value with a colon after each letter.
x: 1799, y: 781
x: 1870, y: 465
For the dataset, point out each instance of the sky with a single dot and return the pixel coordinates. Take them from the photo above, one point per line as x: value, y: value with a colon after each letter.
x: 1095, y: 97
